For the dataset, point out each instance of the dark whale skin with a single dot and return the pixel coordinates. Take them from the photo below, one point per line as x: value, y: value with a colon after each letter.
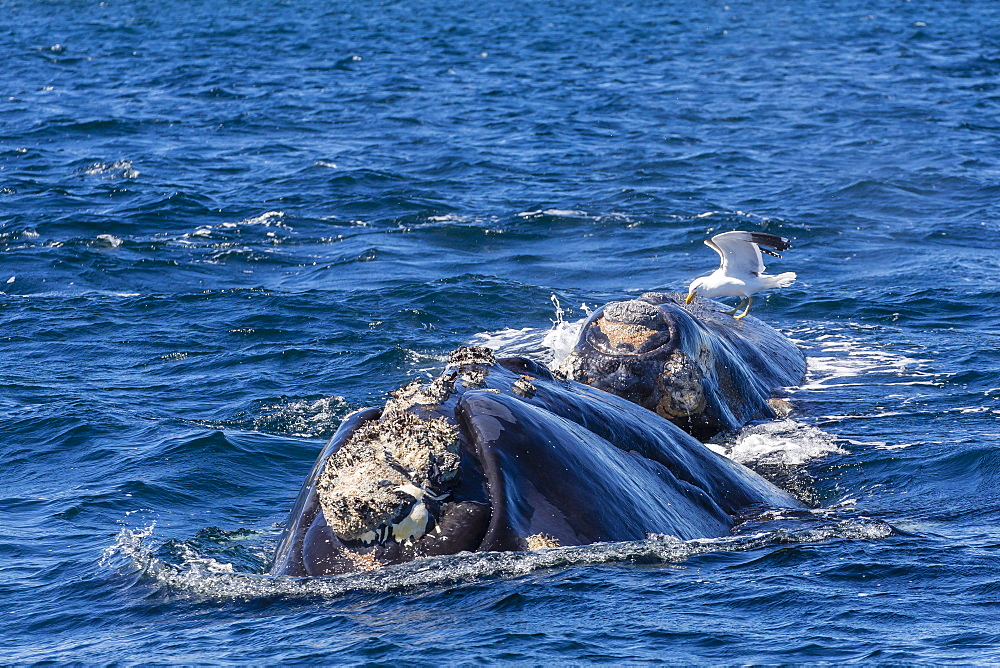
x: 541, y: 456
x: 700, y: 368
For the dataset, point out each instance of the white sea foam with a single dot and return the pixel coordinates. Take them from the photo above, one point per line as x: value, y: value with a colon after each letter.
x: 572, y: 213
x: 266, y: 219
x: 559, y: 213
x: 782, y: 442
x: 17, y: 235
x: 757, y: 218
x: 894, y: 446
x: 202, y: 575
x: 509, y: 340
x: 109, y: 240
x: 547, y: 346
x: 447, y: 218
x: 224, y: 232
x: 130, y: 543
x: 309, y: 418
x: 841, y: 360
x: 113, y: 170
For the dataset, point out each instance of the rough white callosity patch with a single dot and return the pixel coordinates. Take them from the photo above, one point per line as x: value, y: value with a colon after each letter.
x: 359, y: 489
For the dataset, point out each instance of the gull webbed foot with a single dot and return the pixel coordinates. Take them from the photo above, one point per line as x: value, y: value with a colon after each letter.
x: 738, y: 307
x: 746, y: 310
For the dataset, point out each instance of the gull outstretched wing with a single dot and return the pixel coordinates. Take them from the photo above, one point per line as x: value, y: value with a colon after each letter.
x: 740, y: 251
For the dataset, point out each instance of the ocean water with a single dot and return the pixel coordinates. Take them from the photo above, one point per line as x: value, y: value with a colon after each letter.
x: 226, y: 225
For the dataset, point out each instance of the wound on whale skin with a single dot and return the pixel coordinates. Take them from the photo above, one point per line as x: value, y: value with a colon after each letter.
x: 499, y: 454
x: 694, y: 365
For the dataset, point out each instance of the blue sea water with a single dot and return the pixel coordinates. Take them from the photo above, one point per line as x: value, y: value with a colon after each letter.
x: 226, y: 225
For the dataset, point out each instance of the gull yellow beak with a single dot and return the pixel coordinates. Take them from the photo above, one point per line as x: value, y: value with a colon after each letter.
x: 689, y: 298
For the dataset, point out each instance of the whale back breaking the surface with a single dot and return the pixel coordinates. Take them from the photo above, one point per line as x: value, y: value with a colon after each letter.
x: 502, y: 455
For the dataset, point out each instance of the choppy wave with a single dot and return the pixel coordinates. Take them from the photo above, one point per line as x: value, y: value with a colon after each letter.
x: 120, y: 169
x: 304, y: 417
x: 841, y: 359
x: 213, y: 220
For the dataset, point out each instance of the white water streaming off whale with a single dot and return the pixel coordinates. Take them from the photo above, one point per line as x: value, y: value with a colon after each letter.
x: 193, y: 573
x: 548, y: 346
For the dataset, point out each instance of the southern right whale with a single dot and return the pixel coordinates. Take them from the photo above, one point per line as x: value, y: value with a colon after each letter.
x: 501, y: 454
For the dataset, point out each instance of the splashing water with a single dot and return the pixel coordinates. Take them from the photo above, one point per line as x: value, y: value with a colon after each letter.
x: 780, y: 442
x: 548, y: 346
x: 200, y: 575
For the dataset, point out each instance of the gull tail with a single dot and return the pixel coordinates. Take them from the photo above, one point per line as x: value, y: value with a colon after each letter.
x: 781, y: 280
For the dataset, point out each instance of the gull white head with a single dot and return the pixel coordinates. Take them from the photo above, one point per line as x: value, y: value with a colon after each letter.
x: 741, y: 272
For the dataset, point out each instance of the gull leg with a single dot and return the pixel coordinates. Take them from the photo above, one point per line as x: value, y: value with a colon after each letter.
x: 744, y: 314
x: 738, y: 307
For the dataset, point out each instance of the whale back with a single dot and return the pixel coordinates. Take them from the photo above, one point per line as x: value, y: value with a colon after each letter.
x: 539, y: 460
